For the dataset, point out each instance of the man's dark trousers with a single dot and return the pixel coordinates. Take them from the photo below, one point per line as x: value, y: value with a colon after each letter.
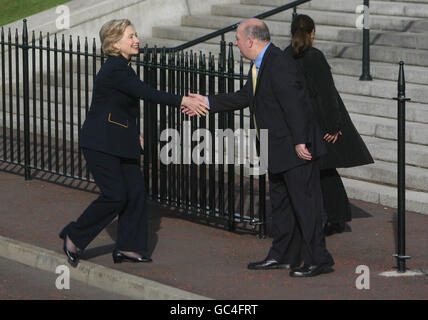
x: 297, y: 209
x: 123, y: 194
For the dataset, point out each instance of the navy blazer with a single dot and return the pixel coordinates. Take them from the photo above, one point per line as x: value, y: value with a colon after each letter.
x: 111, y: 123
x: 281, y: 104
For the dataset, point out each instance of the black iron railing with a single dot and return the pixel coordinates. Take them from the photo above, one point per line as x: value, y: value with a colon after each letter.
x: 46, y: 89
x: 365, y: 76
x: 45, y: 95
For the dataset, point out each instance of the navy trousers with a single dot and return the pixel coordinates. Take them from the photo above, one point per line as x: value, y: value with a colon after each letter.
x: 297, y: 212
x: 123, y: 194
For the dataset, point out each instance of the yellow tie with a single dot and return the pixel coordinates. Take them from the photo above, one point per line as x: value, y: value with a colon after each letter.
x: 254, y: 73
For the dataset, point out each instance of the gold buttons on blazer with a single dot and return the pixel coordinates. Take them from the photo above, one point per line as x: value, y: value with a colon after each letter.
x: 118, y: 123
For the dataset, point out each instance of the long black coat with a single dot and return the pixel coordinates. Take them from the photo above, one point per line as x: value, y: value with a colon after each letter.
x: 111, y: 123
x: 330, y: 111
x: 281, y: 105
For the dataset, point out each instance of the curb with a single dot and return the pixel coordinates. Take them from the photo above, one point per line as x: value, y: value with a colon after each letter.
x: 93, y: 274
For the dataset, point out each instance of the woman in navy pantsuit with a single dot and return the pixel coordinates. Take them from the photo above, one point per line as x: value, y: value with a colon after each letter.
x: 111, y: 145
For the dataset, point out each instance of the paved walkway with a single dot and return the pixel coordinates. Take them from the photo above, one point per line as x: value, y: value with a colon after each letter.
x: 212, y: 262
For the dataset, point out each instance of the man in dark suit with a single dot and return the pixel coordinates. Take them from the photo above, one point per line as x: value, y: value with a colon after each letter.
x: 278, y: 101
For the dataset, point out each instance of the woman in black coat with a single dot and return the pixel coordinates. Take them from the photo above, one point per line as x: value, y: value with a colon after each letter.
x: 344, y: 144
x: 111, y: 145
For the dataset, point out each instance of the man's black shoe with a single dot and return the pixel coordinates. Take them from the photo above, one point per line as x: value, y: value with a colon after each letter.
x: 267, y: 264
x: 311, y: 271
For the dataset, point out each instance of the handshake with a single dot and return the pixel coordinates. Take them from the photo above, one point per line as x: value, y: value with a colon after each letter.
x: 195, y: 104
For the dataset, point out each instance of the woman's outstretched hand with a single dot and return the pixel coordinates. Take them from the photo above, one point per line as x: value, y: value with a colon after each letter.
x: 193, y: 106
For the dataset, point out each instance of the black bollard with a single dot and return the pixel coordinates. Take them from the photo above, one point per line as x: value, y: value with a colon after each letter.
x: 366, y: 45
x: 401, y: 221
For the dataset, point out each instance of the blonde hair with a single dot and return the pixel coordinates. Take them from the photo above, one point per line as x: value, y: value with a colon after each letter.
x: 110, y: 33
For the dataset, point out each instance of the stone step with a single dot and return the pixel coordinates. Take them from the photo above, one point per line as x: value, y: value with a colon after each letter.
x: 411, y: 40
x: 329, y: 46
x: 323, y: 32
x: 368, y: 125
x: 404, y: 38
x: 380, y: 148
x: 188, y: 33
x: 384, y: 128
x: 61, y: 132
x: 355, y: 103
x: 404, y: 9
x: 340, y: 66
x: 370, y: 106
x: 379, y: 70
x: 386, y: 173
x: 327, y: 17
x: 379, y: 88
x: 58, y: 65
x: 416, y: 201
x: 386, y: 150
x: 392, y: 55
x: 204, y: 24
x: 385, y: 108
x: 276, y: 28
x: 280, y: 35
x: 60, y: 97
x: 39, y: 104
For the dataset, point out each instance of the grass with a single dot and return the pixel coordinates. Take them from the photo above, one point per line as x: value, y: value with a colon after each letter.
x: 12, y: 10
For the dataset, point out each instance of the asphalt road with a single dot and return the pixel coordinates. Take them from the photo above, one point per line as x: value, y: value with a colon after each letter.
x: 20, y: 282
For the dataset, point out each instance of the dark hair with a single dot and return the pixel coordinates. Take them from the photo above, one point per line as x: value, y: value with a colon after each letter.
x: 301, y: 29
x: 259, y: 32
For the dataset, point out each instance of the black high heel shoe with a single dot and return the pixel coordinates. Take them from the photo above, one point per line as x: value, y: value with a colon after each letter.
x: 331, y: 228
x: 73, y: 258
x: 119, y: 257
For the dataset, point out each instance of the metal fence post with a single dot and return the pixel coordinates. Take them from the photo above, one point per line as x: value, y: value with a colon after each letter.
x: 401, y: 221
x: 294, y: 12
x: 26, y: 98
x: 231, y: 125
x: 366, y: 44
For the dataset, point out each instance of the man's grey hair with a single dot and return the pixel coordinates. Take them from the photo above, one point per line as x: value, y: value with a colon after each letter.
x: 259, y: 31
